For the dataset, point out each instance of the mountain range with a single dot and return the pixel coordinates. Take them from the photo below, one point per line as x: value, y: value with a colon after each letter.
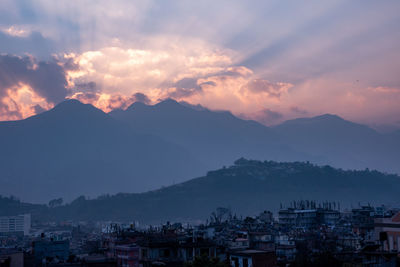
x: 248, y: 187
x: 75, y: 149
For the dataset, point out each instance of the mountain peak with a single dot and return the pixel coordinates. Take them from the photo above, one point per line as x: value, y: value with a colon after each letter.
x: 72, y: 107
x: 69, y: 103
x: 171, y: 105
x: 321, y: 119
x: 197, y: 107
x: 168, y: 102
x: 327, y: 116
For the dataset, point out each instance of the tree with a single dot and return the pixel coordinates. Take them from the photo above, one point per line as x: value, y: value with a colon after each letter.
x: 55, y: 202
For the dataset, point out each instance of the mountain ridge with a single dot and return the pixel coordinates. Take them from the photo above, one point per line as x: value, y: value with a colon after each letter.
x: 69, y: 149
x: 77, y: 143
x: 247, y: 187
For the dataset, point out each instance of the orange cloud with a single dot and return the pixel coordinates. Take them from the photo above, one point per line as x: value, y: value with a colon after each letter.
x: 20, y: 102
x: 107, y: 78
x: 198, y: 73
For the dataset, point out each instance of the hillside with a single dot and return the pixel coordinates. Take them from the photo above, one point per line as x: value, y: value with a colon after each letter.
x: 247, y: 187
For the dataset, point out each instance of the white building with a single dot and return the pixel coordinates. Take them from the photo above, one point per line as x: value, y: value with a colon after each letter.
x: 15, y: 224
x: 387, y: 231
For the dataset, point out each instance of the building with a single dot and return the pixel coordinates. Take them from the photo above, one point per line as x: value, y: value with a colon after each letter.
x: 387, y: 231
x: 363, y: 218
x: 20, y: 224
x: 127, y: 255
x: 47, y: 250
x: 306, y: 214
x: 252, y: 258
x: 262, y: 241
x: 328, y: 216
x: 305, y: 218
x: 285, y: 248
x: 11, y: 258
x: 173, y: 251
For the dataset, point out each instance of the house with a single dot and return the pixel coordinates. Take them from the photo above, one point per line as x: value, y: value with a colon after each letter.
x: 127, y: 255
x: 252, y: 258
x: 387, y: 232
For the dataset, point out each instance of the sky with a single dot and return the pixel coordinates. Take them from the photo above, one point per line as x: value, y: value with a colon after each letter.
x: 264, y: 60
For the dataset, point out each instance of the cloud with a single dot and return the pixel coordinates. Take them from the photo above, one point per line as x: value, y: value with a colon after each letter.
x: 110, y: 77
x: 21, y: 101
x: 46, y: 78
x: 298, y: 110
x: 271, y: 115
x: 26, y: 82
x: 271, y: 89
x: 142, y: 98
x: 38, y: 109
x: 86, y: 87
x: 184, y: 87
x: 265, y: 116
x: 20, y: 42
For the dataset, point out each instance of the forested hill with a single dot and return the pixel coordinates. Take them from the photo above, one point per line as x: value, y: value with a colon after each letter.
x: 247, y: 187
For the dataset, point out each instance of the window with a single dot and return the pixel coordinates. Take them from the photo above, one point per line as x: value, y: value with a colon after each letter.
x: 245, y: 262
x: 235, y: 261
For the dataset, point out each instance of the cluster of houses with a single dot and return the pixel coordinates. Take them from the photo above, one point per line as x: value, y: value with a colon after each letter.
x: 305, y: 233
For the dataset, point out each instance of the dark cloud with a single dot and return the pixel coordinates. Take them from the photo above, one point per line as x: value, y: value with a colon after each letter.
x: 140, y: 97
x: 211, y: 83
x: 87, y: 97
x: 298, y: 110
x: 34, y: 44
x: 69, y: 64
x: 86, y: 87
x: 268, y: 116
x: 265, y: 116
x: 46, y: 78
x: 271, y: 115
x: 264, y: 86
x: 185, y: 87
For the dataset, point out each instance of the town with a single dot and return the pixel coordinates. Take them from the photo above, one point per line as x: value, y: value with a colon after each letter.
x: 302, y: 233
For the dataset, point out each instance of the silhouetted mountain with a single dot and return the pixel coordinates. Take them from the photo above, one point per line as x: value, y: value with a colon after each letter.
x: 195, y: 107
x: 218, y: 138
x: 341, y: 143
x: 248, y: 187
x: 76, y: 149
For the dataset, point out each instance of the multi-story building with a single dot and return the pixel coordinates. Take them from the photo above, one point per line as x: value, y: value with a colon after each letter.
x: 306, y: 218
x: 20, y: 224
x: 387, y: 231
x: 309, y: 216
x: 363, y: 220
x: 127, y: 255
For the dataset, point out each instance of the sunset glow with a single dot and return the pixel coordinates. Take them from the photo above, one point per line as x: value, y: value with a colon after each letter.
x: 340, y: 58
